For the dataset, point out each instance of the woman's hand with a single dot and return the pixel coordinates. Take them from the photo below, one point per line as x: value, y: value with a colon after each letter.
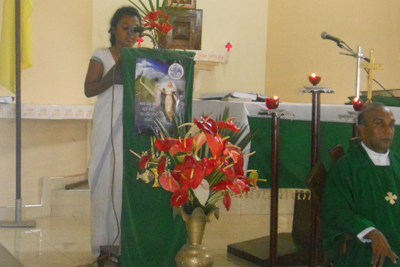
x: 95, y: 84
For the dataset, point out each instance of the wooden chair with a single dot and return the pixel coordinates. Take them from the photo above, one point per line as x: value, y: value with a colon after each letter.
x: 336, y: 152
x: 316, y: 180
x: 355, y: 140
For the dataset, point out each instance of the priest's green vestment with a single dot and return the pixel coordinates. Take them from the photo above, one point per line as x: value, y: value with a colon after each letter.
x: 359, y: 195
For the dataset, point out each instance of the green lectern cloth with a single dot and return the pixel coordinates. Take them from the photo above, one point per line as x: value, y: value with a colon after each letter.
x: 295, y: 153
x: 150, y: 236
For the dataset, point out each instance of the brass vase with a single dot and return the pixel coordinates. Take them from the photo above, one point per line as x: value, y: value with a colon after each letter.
x: 194, y: 253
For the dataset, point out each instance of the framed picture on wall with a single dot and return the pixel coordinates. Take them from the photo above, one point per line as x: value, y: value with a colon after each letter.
x: 186, y: 31
x: 186, y: 3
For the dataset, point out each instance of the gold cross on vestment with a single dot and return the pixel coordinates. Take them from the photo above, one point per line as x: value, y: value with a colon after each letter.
x: 392, y: 198
x: 371, y: 66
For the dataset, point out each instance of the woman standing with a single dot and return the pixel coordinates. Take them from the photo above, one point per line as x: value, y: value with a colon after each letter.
x: 104, y: 79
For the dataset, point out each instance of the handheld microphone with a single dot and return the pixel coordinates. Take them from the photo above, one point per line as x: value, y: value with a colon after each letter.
x: 138, y: 29
x: 325, y: 35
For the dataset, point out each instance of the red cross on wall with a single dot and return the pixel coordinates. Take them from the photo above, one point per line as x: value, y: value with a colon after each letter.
x: 228, y: 46
x: 139, y: 40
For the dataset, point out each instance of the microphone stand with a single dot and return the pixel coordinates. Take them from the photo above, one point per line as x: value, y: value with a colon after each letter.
x: 359, y: 56
x: 151, y: 38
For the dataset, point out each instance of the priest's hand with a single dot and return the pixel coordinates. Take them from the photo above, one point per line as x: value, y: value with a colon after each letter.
x: 380, y: 249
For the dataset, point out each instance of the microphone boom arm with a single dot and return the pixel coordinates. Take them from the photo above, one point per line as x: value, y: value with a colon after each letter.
x: 151, y: 38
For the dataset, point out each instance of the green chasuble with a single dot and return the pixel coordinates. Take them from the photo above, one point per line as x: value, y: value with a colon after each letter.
x: 359, y: 195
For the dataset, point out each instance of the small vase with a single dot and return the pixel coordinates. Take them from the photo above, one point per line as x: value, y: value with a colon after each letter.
x: 194, y: 253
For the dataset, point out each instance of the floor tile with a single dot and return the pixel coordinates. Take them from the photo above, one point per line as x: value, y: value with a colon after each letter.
x: 65, y: 241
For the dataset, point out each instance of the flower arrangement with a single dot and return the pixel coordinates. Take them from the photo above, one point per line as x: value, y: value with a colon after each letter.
x: 157, y: 21
x: 156, y: 16
x: 201, y: 165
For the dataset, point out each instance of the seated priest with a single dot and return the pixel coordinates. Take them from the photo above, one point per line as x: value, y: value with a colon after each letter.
x: 361, y: 197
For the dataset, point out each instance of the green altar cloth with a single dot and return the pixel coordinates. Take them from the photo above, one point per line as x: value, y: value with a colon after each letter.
x: 150, y: 236
x: 295, y: 153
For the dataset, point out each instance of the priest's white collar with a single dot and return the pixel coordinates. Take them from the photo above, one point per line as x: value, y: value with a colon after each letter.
x: 377, y: 158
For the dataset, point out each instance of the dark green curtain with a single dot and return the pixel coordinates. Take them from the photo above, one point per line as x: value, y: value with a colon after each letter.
x: 295, y: 153
x: 150, y: 236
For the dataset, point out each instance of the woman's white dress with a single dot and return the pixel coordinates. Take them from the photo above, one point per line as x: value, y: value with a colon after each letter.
x: 104, y: 225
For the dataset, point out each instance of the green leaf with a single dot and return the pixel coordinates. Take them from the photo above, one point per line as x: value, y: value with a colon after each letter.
x: 138, y: 8
x: 145, y: 7
x: 151, y: 5
x: 162, y: 128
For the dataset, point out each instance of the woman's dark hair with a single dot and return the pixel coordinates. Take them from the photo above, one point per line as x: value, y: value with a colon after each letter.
x: 125, y: 10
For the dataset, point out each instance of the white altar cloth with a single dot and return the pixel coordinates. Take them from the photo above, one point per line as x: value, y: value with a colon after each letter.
x: 300, y: 111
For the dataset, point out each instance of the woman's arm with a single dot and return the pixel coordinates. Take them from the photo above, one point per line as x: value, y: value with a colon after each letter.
x: 95, y: 84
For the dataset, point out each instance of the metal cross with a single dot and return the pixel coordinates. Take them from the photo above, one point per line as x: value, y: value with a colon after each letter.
x: 371, y: 66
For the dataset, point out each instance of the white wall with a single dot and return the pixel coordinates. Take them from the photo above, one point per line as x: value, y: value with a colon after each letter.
x: 61, y: 45
x: 223, y: 21
x: 295, y: 48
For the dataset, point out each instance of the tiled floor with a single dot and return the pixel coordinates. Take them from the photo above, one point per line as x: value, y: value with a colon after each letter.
x: 65, y: 241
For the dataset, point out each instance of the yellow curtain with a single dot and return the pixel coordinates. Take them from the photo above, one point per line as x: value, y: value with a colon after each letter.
x: 7, y: 45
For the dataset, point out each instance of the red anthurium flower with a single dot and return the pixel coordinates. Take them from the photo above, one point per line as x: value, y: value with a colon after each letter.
x: 227, y: 201
x: 164, y: 145
x: 189, y: 162
x: 165, y: 27
x: 186, y: 145
x: 152, y: 15
x: 233, y: 151
x: 237, y: 186
x: 223, y: 185
x: 191, y: 178
x: 215, y: 143
x: 179, y: 197
x: 182, y: 145
x: 230, y: 125
x: 228, y: 171
x: 209, y: 165
x: 152, y: 24
x: 174, y: 150
x: 168, y: 182
x: 189, y: 173
x: 231, y: 173
x: 165, y: 16
x: 161, y: 165
x: 238, y: 166
x: 243, y: 186
x: 206, y: 125
x: 176, y: 172
x: 199, y: 140
x: 143, y: 160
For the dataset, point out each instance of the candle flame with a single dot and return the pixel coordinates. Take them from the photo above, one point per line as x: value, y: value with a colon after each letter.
x: 313, y: 75
x: 275, y: 97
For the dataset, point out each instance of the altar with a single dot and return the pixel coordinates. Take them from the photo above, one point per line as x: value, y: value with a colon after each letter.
x: 336, y: 127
